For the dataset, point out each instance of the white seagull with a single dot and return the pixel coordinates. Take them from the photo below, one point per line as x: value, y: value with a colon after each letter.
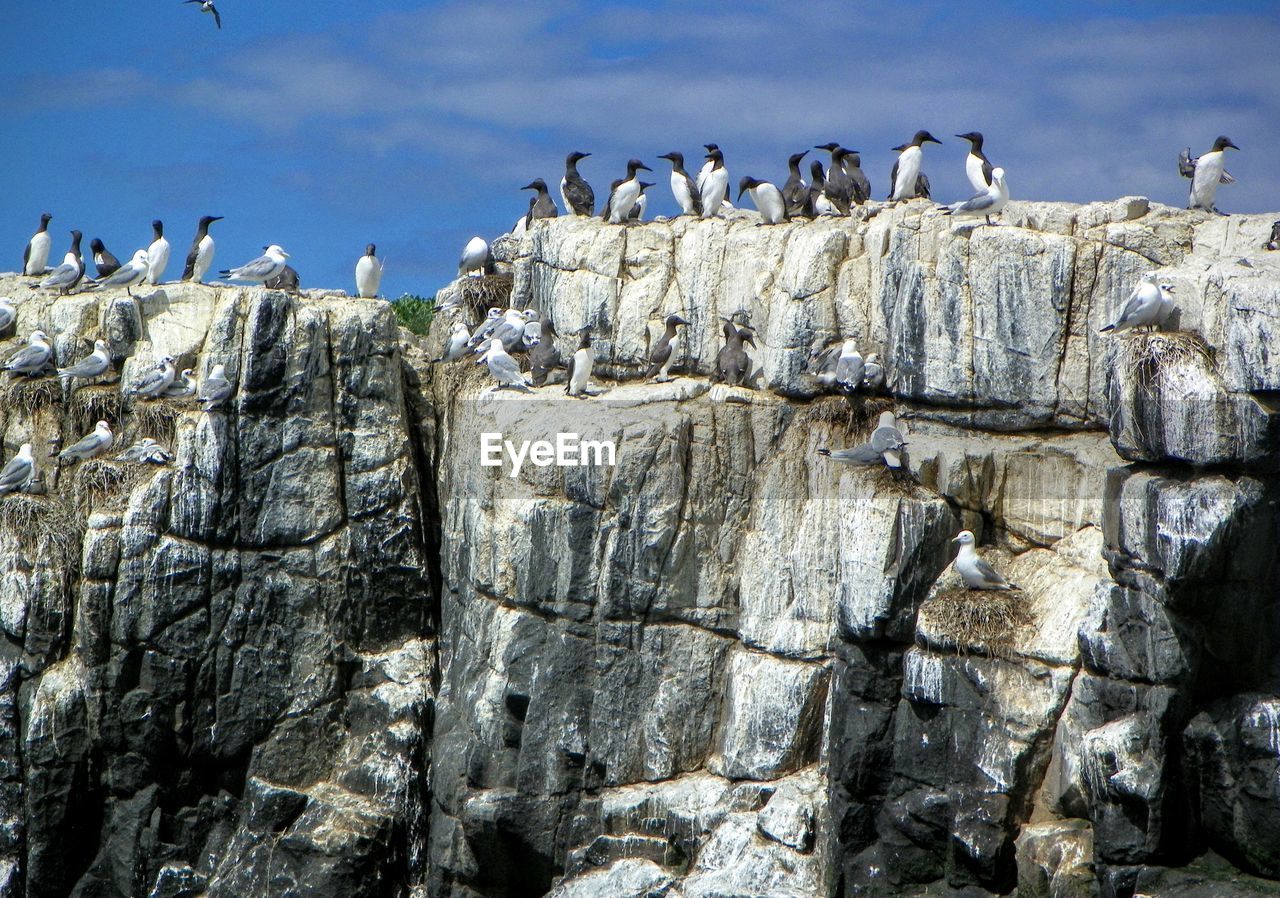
x: 153, y: 383
x: 975, y: 572
x: 128, y: 275
x: 90, y: 446
x: 476, y: 258
x: 456, y: 348
x: 1142, y: 309
x: 503, y: 367
x: 989, y: 202
x: 30, y: 359
x: 264, y: 268
x: 95, y: 364
x: 19, y: 473
x: 215, y: 389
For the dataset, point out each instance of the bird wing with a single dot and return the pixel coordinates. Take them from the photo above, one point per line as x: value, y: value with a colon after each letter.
x: 849, y: 371
x: 990, y: 574
x: 661, y: 352
x: 64, y: 273
x: 922, y: 186
x: 893, y: 178
x: 861, y: 186
x: 864, y: 454
x: 190, y: 267
x: 695, y: 195
x: 885, y: 439
x: 580, y: 196
x: 217, y: 17
x: 505, y: 369
x: 1132, y: 306
x: 110, y: 264
x: 26, y: 256
x: 90, y: 366
x: 1186, y: 164
x: 150, y: 380
x: 975, y: 203
x: 987, y: 169
x: 26, y: 357
x: 258, y: 269
x: 14, y: 473
x: 1226, y: 178
x: 825, y: 362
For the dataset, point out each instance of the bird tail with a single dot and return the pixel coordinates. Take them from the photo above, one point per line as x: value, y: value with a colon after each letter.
x: 825, y: 452
x: 1109, y: 327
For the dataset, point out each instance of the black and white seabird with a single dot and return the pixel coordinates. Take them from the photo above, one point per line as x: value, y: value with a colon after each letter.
x: 767, y: 197
x: 818, y: 191
x: 906, y: 180
x: 683, y: 187
x: 839, y: 186
x: 1273, y: 242
x: 128, y: 275
x: 287, y: 280
x: 35, y: 258
x: 623, y: 196
x: 641, y: 203
x: 200, y: 256
x: 977, y: 167
x: 207, y: 6
x: 664, y: 352
x: 368, y: 273
x: 795, y: 192
x: 732, y: 362
x: 266, y: 267
x: 707, y: 168
x: 545, y: 356
x: 477, y: 258
x: 988, y: 202
x: 103, y: 261
x: 580, y: 365
x: 976, y: 573
x: 157, y: 254
x: 714, y: 186
x: 542, y: 205
x: 852, y: 162
x: 577, y: 194
x: 66, y: 276
x: 1206, y: 173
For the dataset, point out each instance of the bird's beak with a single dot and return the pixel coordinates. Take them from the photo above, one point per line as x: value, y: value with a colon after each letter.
x: 932, y: 139
x: 646, y: 168
x: 1232, y: 145
x: 216, y: 218
x: 955, y: 540
x: 741, y: 191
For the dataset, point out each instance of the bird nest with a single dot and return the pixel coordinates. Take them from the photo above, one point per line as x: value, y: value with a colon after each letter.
x: 42, y: 525
x: 157, y: 419
x: 99, y: 479
x: 480, y: 293
x: 854, y: 414
x: 32, y: 393
x: 1149, y: 358
x: 100, y: 402
x: 982, y: 620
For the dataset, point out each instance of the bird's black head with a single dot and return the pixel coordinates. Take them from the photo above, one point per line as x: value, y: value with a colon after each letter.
x: 676, y: 159
x: 852, y: 156
x: 207, y: 220
x: 816, y: 169
x: 923, y: 137
x: 574, y: 157
x: 793, y: 160
x: 715, y: 155
x: 45, y: 218
x: 158, y: 227
x: 635, y: 165
x: 371, y: 250
x: 829, y: 147
x: 711, y: 147
x: 1223, y: 142
x: 748, y: 336
x: 746, y: 183
x: 536, y: 184
x: 645, y: 185
x: 75, y: 238
x: 673, y: 320
x: 96, y: 245
x: 974, y: 138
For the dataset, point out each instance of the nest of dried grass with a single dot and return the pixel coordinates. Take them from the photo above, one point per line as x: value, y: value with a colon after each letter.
x: 985, y: 620
x: 479, y: 293
x: 32, y: 393
x: 100, y: 479
x: 855, y: 414
x: 89, y: 405
x: 42, y: 525
x: 1150, y: 357
x: 157, y: 419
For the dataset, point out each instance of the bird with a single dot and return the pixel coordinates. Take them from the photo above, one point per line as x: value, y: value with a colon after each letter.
x: 157, y: 254
x: 532, y: 332
x: 1273, y: 242
x: 128, y: 275
x: 509, y: 331
x: 260, y: 270
x: 215, y: 388
x: 818, y: 191
x: 665, y: 350
x: 207, y: 6
x: 977, y: 167
x: 545, y: 356
x: 873, y: 372
x: 66, y: 276
x: 287, y: 280
x: 103, y: 261
x: 89, y: 446
x: 1166, y: 304
x: 95, y: 364
x: 30, y: 359
x: 767, y: 197
x: 641, y: 203
x: 200, y: 256
x: 368, y: 273
x: 476, y: 259
x: 732, y: 362
x: 183, y: 385
x: 976, y: 573
x: 906, y: 180
x: 850, y: 368
x: 19, y: 473
x: 1142, y: 309
x: 714, y: 186
x: 155, y: 381
x: 624, y: 194
x: 577, y: 194
x: 683, y: 187
x: 8, y: 315
x: 146, y: 451
x: 503, y: 367
x: 887, y: 439
x: 707, y: 168
x: 456, y: 348
x: 795, y: 192
x: 1206, y: 173
x: 35, y: 258
x: 839, y: 186
x: 492, y: 318
x: 990, y: 201
x: 837, y: 364
x: 852, y: 162
x: 541, y: 206
x: 580, y: 364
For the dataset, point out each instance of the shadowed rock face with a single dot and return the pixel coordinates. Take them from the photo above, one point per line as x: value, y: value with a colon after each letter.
x: 326, y: 652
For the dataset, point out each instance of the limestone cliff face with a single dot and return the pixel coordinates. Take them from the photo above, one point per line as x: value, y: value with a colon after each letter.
x: 326, y: 652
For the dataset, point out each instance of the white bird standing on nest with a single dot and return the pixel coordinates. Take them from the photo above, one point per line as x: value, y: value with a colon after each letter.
x: 975, y: 572
x: 90, y: 446
x: 19, y: 473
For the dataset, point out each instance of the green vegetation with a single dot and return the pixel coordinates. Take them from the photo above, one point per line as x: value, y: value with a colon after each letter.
x: 414, y: 312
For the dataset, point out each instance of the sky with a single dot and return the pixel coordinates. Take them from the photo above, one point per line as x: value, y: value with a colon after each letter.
x: 326, y: 126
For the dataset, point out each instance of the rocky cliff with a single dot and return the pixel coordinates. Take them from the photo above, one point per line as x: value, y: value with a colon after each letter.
x: 327, y: 652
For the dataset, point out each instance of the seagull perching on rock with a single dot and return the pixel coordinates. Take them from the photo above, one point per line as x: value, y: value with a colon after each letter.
x: 128, y: 275
x: 456, y: 348
x: 476, y: 259
x: 146, y: 451
x: 885, y: 447
x: 153, y: 383
x: 90, y: 446
x: 66, y: 276
x: 30, y: 359
x: 265, y: 268
x: 1144, y: 308
x: 1206, y: 173
x: 975, y: 572
x: 19, y: 473
x: 989, y: 202
x: 503, y: 367
x: 95, y: 364
x: 215, y: 389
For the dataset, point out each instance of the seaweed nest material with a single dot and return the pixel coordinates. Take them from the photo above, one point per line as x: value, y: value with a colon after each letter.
x: 985, y: 620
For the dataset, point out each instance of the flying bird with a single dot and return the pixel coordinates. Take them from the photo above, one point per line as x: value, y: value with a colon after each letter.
x: 35, y: 258
x: 976, y: 573
x: 368, y: 273
x: 200, y: 256
x: 1206, y: 173
x: 207, y: 6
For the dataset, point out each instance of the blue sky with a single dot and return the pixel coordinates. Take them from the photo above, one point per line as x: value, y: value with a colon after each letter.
x: 324, y: 126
